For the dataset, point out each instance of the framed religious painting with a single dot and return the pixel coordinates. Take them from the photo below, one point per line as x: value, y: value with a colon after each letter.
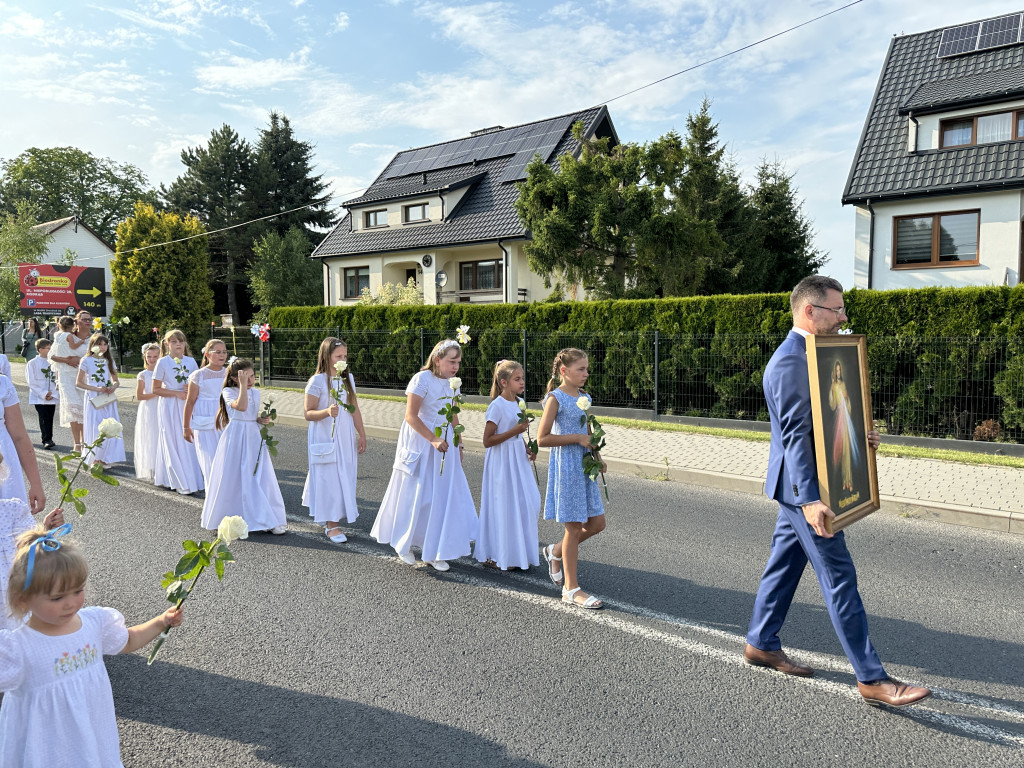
x: 841, y: 409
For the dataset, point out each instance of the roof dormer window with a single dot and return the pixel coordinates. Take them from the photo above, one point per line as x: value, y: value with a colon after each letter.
x: 417, y: 212
x: 376, y: 218
x: 981, y: 129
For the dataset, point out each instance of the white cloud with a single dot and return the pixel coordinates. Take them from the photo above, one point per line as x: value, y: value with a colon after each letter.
x: 340, y: 23
x: 22, y: 25
x: 242, y: 73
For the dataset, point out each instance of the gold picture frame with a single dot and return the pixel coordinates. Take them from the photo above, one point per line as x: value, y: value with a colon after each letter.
x: 841, y: 409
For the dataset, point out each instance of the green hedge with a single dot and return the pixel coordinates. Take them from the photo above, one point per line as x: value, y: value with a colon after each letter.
x: 942, y: 359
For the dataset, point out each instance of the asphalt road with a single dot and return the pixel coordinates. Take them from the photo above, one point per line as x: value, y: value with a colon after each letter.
x: 309, y: 654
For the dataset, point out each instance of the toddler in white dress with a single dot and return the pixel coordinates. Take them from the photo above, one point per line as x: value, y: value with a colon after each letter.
x: 58, y: 707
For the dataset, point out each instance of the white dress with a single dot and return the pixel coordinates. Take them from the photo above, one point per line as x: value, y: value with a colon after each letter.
x: 205, y: 434
x: 422, y: 507
x: 15, y: 519
x: 234, y: 489
x: 67, y: 380
x: 112, y: 449
x: 58, y: 708
x: 13, y: 487
x: 509, y: 497
x: 176, y: 466
x: 147, y: 435
x: 330, y: 490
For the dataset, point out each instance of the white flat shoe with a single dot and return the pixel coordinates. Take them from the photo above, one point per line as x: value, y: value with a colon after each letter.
x: 407, y: 557
x: 439, y: 565
x: 338, y: 538
x: 277, y: 530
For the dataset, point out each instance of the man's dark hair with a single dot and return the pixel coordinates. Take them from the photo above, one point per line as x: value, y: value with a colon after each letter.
x: 813, y: 289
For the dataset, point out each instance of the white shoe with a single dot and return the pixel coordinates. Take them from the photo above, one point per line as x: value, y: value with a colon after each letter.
x: 338, y: 538
x: 407, y: 557
x: 277, y: 530
x: 439, y: 565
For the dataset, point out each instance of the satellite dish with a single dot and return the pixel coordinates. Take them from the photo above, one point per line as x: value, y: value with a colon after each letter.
x: 441, y: 278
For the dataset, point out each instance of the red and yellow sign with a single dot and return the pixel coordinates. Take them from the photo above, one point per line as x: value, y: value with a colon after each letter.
x: 62, y: 289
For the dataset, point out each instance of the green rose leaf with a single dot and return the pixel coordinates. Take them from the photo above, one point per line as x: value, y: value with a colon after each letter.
x: 188, y: 562
x: 79, y: 506
x: 218, y: 564
x: 80, y: 493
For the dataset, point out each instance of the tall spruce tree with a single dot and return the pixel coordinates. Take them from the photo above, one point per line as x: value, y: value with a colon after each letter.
x: 217, y: 188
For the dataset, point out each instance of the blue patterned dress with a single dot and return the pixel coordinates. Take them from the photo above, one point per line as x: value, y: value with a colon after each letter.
x: 571, y: 496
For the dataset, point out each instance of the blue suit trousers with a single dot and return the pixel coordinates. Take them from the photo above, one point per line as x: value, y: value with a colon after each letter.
x: 793, y: 544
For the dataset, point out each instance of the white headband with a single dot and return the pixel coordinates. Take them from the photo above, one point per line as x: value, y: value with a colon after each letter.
x: 446, y: 345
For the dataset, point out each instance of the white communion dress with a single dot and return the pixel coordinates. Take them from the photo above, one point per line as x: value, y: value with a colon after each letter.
x: 58, y: 707
x: 112, y: 449
x: 70, y: 408
x: 147, y: 435
x: 176, y: 465
x: 422, y: 507
x: 234, y: 489
x: 13, y: 485
x: 205, y: 434
x: 509, y: 497
x: 330, y: 490
x: 15, y: 519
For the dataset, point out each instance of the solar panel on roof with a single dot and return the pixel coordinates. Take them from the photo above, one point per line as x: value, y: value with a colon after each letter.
x: 1002, y: 31
x: 957, y: 40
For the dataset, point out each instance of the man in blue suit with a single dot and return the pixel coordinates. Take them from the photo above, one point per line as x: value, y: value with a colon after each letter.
x: 801, y: 533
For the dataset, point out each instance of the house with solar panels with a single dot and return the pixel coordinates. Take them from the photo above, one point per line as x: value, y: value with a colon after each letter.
x: 444, y: 215
x: 938, y: 176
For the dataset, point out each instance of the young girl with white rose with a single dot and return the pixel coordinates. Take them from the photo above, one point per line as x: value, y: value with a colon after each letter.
x: 147, y: 435
x: 97, y: 379
x: 424, y: 506
x: 572, y: 498
x: 330, y: 490
x: 176, y: 464
x: 242, y: 479
x: 199, y: 418
x: 509, y: 497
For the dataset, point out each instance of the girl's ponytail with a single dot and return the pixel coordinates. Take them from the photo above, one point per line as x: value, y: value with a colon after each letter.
x: 566, y: 356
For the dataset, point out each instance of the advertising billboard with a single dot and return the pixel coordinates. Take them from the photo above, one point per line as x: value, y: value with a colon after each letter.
x: 58, y: 289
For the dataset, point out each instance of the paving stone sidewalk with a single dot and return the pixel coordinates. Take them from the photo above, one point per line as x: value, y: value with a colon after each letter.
x: 980, y: 496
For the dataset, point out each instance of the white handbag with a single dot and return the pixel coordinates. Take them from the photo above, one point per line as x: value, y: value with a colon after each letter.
x: 321, y: 453
x: 405, y: 459
x: 203, y: 422
x: 103, y: 399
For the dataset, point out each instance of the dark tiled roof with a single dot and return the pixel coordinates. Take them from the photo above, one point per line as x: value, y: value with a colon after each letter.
x: 487, y: 211
x: 973, y: 90
x: 882, y: 166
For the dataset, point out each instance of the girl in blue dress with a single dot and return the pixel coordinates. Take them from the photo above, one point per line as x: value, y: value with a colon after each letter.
x: 572, y: 499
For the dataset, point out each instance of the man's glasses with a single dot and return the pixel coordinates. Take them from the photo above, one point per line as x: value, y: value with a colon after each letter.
x: 839, y: 312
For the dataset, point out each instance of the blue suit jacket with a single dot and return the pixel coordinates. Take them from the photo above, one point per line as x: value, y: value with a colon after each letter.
x: 792, y: 469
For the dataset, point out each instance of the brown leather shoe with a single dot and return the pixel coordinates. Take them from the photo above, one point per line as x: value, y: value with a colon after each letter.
x: 777, y: 660
x: 892, y: 693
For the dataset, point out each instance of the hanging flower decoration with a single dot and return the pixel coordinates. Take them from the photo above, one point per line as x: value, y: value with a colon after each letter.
x: 125, y: 321
x: 97, y: 324
x: 462, y: 334
x: 261, y: 332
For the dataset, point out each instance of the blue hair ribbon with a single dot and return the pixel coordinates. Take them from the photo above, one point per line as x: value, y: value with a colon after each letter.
x: 48, y: 542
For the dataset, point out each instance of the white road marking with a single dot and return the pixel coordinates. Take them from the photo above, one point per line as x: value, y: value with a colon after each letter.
x: 822, y: 661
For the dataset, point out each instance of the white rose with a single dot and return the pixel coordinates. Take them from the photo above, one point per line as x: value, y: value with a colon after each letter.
x: 96, y: 350
x: 522, y: 404
x: 583, y: 403
x: 110, y: 428
x: 454, y: 382
x: 232, y: 527
x: 340, y: 367
x: 177, y: 360
x: 125, y: 321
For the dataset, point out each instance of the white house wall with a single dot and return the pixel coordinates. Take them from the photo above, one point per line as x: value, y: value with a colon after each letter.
x: 928, y: 125
x: 998, y: 245
x: 91, y: 251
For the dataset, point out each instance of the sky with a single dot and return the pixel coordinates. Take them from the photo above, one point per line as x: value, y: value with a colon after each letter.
x: 139, y: 80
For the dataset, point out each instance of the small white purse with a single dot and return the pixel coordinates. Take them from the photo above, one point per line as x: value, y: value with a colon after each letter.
x: 103, y: 399
x: 321, y: 453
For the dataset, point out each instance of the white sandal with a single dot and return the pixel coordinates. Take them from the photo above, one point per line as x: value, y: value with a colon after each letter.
x: 556, y: 576
x: 591, y: 603
x: 338, y: 538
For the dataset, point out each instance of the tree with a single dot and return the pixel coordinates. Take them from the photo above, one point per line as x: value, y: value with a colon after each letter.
x: 282, y: 274
x: 64, y: 181
x: 583, y: 218
x: 217, y: 189
x: 19, y: 244
x: 283, y: 180
x: 166, y: 286
x: 783, y: 235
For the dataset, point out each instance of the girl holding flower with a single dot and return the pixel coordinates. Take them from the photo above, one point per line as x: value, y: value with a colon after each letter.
x: 58, y: 707
x: 147, y: 435
x: 176, y: 466
x: 242, y: 479
x: 423, y: 506
x: 332, y: 410
x: 97, y: 378
x: 201, y: 403
x: 572, y: 498
x: 509, y: 498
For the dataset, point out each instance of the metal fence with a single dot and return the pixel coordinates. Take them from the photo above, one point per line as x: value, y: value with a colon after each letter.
x: 966, y: 388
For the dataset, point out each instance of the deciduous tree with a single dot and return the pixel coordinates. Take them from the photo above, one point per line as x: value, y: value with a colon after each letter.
x: 19, y: 244
x: 283, y: 275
